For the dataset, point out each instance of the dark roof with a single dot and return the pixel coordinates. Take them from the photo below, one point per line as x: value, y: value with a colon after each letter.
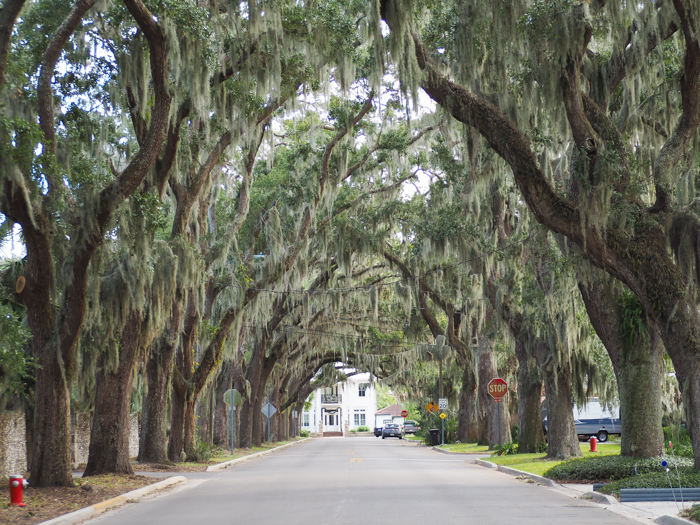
x: 391, y: 410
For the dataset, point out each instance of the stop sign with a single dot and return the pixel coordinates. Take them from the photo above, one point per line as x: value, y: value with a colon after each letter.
x: 404, y: 413
x: 497, y: 388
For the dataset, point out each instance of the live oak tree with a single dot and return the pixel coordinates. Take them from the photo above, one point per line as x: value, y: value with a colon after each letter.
x: 586, y: 78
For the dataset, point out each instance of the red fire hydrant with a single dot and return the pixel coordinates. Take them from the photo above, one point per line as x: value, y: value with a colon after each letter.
x: 17, y: 485
x: 594, y: 443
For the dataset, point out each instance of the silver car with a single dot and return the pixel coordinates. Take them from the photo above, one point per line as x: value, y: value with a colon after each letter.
x: 392, y: 430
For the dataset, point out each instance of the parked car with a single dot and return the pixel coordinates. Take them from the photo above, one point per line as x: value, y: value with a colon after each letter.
x: 410, y: 427
x: 377, y: 431
x: 392, y: 430
x: 593, y: 420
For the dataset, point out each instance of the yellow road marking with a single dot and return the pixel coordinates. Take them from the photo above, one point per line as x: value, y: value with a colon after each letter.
x: 352, y: 460
x: 359, y: 460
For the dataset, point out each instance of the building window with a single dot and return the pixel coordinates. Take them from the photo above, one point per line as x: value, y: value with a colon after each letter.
x: 362, y: 389
x: 306, y: 420
x: 359, y: 418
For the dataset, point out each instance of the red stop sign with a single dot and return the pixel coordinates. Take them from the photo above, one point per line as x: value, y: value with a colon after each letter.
x: 404, y: 413
x: 497, y: 388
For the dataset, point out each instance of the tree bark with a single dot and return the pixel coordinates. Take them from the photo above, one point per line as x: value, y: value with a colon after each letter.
x: 109, y: 436
x: 638, y: 369
x: 466, y: 426
x: 530, y: 431
x: 562, y: 439
x: 488, y: 426
x: 158, y: 370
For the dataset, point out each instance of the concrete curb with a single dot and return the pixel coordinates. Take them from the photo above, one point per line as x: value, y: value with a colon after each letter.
x: 599, y: 498
x: 485, y: 463
x: 673, y: 520
x: 98, y: 508
x: 233, y: 462
x: 539, y: 479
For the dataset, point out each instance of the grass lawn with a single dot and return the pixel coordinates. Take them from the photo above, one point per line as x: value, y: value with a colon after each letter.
x: 537, y: 464
x: 219, y: 457
x: 464, y: 447
x: 240, y: 452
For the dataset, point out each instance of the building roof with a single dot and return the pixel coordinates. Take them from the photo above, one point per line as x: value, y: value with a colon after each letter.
x: 391, y: 410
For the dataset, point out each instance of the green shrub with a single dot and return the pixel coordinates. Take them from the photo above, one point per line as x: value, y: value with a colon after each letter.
x: 689, y: 477
x: 542, y: 446
x: 505, y: 449
x: 304, y: 433
x: 353, y: 430
x: 363, y: 429
x: 200, y: 453
x: 611, y: 467
x: 682, y: 446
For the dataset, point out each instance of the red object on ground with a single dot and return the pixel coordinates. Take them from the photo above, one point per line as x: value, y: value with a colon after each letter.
x: 594, y: 444
x: 17, y: 485
x: 497, y: 388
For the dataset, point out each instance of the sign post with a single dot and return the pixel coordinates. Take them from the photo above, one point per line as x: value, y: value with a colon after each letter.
x: 497, y: 388
x: 232, y: 398
x: 442, y: 405
x: 268, y: 410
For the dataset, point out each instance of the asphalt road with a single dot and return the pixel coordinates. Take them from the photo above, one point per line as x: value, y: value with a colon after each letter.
x: 355, y: 481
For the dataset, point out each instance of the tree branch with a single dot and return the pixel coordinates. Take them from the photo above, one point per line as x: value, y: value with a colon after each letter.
x: 44, y: 93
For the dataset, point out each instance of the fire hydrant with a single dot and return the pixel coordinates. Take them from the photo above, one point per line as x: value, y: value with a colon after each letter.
x: 594, y: 443
x: 17, y: 485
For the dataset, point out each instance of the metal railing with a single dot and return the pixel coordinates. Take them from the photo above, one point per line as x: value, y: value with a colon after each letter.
x: 331, y: 398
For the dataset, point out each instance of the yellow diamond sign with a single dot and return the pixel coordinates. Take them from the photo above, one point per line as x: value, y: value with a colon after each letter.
x: 443, y: 415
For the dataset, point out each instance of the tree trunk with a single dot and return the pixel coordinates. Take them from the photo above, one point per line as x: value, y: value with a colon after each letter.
x: 467, y: 405
x: 561, y: 431
x: 248, y: 419
x: 530, y: 431
x: 190, y: 425
x: 638, y: 369
x: 176, y: 444
x: 109, y: 435
x: 489, y: 427
x: 640, y: 380
x: 51, y: 463
x: 158, y: 371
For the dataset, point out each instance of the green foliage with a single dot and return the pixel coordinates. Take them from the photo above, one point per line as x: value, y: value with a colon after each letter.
x: 201, y: 453
x: 682, y: 445
x: 505, y: 449
x: 633, y: 325
x: 384, y: 397
x: 304, y: 433
x: 686, y: 477
x: 363, y: 429
x: 611, y: 468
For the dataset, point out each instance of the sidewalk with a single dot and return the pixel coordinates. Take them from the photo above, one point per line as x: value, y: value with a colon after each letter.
x: 665, y: 512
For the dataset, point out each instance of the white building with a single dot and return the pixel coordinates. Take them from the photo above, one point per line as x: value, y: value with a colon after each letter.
x: 344, y: 406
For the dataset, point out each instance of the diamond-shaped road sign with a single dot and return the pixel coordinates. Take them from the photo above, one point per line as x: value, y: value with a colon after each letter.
x: 268, y: 410
x: 443, y: 415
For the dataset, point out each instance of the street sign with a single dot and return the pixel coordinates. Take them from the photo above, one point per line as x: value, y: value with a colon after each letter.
x: 404, y: 413
x: 443, y: 415
x: 429, y: 407
x: 232, y: 396
x: 442, y: 403
x: 268, y: 410
x: 497, y: 388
